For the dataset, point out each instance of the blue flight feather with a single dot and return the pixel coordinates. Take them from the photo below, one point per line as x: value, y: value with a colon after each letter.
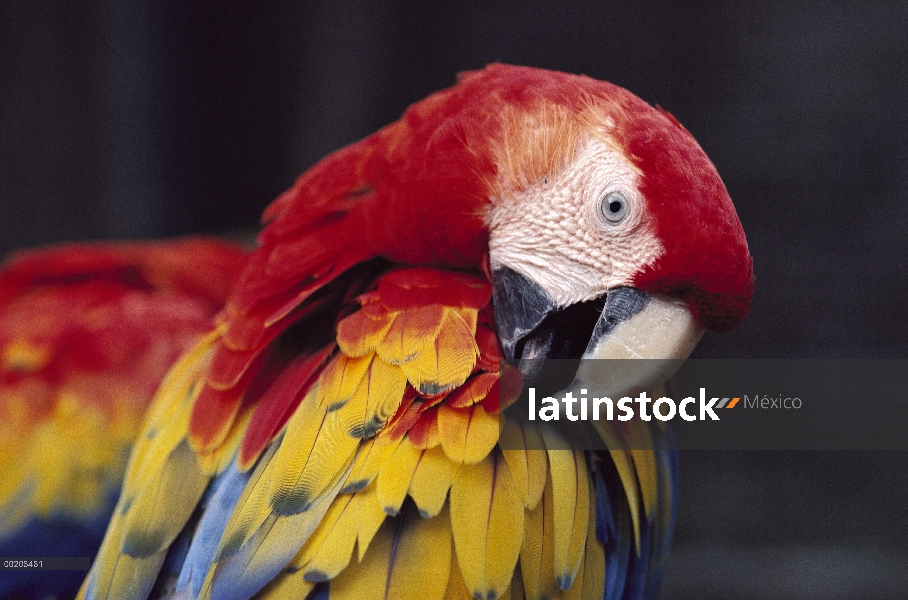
x: 227, y: 489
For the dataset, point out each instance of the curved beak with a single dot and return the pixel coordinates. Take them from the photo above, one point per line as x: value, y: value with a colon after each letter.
x: 625, y: 323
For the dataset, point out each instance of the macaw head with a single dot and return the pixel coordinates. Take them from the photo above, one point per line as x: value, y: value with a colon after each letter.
x: 608, y: 231
x: 611, y: 234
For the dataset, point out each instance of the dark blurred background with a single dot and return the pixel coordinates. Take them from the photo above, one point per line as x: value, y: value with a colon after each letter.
x: 149, y: 119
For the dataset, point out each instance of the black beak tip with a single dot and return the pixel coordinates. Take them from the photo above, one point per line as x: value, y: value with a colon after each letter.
x: 520, y: 306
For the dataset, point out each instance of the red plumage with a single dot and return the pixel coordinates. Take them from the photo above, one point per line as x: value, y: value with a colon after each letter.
x: 47, y: 293
x: 715, y: 280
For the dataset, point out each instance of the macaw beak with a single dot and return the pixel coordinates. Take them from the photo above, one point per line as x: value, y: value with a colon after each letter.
x: 625, y: 323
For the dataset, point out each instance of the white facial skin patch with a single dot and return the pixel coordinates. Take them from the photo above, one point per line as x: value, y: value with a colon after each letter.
x: 554, y: 231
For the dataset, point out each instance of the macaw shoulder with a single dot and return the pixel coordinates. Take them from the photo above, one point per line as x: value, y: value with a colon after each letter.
x: 424, y: 334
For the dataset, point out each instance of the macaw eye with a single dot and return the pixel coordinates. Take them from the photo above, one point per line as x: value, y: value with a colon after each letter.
x: 614, y: 207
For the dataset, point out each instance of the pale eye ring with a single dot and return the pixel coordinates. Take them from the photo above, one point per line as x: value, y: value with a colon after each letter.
x: 614, y: 207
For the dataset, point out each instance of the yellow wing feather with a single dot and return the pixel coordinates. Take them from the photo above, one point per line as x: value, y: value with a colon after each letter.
x: 645, y: 467
x: 410, y: 557
x: 350, y: 518
x: 374, y: 453
x: 375, y: 400
x: 396, y: 475
x: 570, y: 493
x: 342, y: 377
x: 467, y: 434
x: 593, y: 581
x: 411, y: 333
x: 315, y: 451
x: 288, y: 584
x: 537, y: 553
x: 486, y: 510
x: 431, y: 481
x: 153, y: 521
x: 445, y: 364
x: 529, y: 467
x: 457, y: 588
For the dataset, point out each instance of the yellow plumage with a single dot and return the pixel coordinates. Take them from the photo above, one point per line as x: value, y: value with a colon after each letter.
x: 457, y: 587
x: 373, y: 455
x: 375, y: 400
x: 396, y: 475
x: 448, y: 359
x: 467, y: 434
x: 288, y: 584
x: 431, y: 481
x: 411, y: 333
x: 409, y: 557
x: 341, y: 379
x: 150, y: 522
x: 570, y: 499
x: 435, y: 519
x: 537, y: 553
x: 352, y: 519
x: 485, y: 512
x: 529, y: 467
x: 315, y: 451
x: 624, y: 464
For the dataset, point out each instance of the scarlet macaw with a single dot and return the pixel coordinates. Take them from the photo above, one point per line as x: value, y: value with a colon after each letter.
x: 87, y: 332
x: 350, y: 396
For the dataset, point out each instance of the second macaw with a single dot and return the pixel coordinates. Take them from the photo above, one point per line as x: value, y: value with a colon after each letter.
x: 87, y: 332
x: 340, y: 433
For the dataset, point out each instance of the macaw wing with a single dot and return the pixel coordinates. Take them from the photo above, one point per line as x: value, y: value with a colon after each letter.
x: 87, y: 332
x: 387, y: 477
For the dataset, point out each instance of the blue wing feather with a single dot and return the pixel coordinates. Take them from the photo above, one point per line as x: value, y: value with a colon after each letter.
x: 226, y: 491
